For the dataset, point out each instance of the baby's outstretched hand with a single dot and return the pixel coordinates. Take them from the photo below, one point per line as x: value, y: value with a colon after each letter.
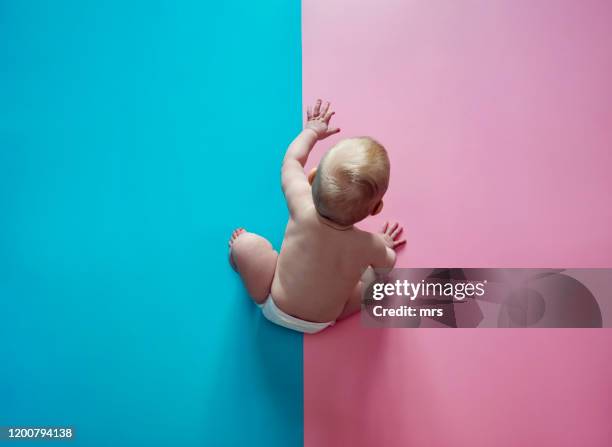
x: 318, y: 120
x: 391, y: 235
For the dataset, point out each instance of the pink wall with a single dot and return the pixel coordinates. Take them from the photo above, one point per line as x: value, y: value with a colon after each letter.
x: 498, y: 119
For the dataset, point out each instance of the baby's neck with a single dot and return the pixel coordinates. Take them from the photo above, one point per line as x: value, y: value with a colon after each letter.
x: 330, y: 223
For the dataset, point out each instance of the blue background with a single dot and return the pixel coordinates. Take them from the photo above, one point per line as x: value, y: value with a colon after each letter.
x: 134, y: 136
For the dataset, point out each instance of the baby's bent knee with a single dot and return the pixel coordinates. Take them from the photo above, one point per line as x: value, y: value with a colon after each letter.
x: 249, y: 242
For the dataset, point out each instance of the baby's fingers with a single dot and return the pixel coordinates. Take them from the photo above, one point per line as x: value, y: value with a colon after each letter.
x: 391, y: 229
x: 324, y: 109
x: 395, y: 233
x: 328, y: 116
x: 398, y: 243
x: 309, y: 113
x: 317, y: 108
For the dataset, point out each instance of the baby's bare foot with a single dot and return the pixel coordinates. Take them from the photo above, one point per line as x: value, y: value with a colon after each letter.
x: 235, y: 235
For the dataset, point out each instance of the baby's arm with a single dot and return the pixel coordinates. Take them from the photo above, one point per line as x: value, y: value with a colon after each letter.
x: 382, y: 256
x: 385, y: 244
x: 293, y: 179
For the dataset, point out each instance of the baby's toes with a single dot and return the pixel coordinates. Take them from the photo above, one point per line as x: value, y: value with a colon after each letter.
x: 237, y: 232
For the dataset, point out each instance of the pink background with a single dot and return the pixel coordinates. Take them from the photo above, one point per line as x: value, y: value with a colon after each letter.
x: 498, y: 119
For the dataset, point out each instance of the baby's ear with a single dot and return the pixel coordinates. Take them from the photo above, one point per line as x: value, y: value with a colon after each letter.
x: 311, y: 175
x: 378, y: 208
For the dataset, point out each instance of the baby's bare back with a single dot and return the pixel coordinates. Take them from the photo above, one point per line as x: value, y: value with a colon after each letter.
x: 319, y: 268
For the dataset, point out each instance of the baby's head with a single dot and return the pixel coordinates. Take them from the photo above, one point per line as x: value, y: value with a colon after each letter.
x: 351, y: 180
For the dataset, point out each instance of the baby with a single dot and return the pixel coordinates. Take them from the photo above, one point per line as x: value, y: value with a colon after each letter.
x: 317, y: 277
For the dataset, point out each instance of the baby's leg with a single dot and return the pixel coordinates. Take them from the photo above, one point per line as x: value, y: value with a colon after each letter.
x: 353, y: 305
x: 253, y: 257
x: 368, y: 276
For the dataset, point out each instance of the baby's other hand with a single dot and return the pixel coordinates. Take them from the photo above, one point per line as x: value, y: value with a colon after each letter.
x: 391, y: 235
x: 318, y: 120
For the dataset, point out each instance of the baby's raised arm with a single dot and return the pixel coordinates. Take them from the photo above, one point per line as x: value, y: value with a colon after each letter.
x: 293, y: 179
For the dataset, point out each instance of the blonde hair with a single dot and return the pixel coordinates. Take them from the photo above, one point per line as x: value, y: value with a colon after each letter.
x: 351, y: 179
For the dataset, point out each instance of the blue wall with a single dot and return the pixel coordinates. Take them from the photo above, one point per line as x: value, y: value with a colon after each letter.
x: 134, y: 136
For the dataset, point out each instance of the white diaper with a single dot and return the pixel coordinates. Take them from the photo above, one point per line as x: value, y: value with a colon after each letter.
x: 277, y: 316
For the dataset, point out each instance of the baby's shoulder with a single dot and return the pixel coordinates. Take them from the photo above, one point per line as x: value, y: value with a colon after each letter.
x: 365, y: 238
